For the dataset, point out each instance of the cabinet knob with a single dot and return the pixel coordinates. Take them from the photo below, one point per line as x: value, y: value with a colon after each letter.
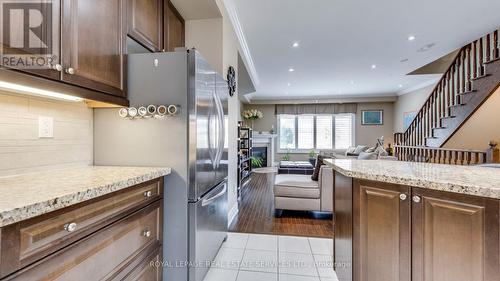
x: 57, y: 67
x: 148, y: 193
x: 70, y: 227
x: 416, y: 199
x: 146, y: 233
x: 70, y: 70
x: 402, y: 196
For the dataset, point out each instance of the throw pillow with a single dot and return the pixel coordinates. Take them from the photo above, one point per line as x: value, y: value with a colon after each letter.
x: 371, y: 149
x: 380, y: 150
x: 350, y: 150
x: 368, y: 156
x: 359, y: 149
x: 319, y: 163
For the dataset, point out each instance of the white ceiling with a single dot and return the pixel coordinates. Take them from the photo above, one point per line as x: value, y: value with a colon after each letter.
x: 197, y: 9
x: 341, y: 39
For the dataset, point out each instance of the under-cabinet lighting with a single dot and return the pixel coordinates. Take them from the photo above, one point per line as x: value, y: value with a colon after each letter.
x: 36, y: 91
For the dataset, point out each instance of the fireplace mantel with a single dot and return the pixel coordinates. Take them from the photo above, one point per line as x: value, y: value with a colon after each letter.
x: 266, y: 140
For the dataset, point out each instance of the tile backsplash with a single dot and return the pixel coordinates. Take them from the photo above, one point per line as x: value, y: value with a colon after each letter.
x: 22, y: 151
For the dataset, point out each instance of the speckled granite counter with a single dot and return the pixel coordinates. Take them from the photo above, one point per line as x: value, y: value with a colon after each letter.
x: 29, y: 195
x: 478, y: 181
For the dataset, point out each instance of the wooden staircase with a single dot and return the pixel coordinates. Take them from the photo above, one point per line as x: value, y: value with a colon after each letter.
x: 472, y: 77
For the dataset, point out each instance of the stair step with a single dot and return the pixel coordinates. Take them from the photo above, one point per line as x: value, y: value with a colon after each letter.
x: 435, y: 128
x: 492, y: 60
x: 447, y: 117
x: 457, y: 105
x: 480, y: 77
x: 467, y: 92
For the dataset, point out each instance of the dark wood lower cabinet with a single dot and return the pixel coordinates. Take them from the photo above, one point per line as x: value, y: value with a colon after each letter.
x: 116, y: 237
x: 389, y: 232
x: 382, y: 231
x: 455, y: 237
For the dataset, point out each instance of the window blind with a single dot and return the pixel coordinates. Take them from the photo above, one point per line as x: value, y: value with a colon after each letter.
x: 343, y: 131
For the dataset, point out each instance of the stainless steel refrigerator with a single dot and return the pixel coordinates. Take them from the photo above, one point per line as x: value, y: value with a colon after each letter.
x: 193, y: 143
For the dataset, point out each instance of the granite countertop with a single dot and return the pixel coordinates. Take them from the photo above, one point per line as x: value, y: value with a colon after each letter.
x: 478, y: 181
x: 30, y: 195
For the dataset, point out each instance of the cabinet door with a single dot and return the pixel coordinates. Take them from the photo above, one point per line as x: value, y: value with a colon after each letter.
x: 455, y: 237
x: 145, y: 22
x: 43, y: 42
x: 92, y: 45
x: 173, y: 29
x: 381, y: 231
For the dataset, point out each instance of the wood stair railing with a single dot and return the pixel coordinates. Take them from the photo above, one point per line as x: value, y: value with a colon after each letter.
x: 448, y: 155
x: 470, y: 79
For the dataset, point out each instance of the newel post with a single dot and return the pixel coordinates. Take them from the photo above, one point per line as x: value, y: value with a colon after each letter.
x: 493, y: 153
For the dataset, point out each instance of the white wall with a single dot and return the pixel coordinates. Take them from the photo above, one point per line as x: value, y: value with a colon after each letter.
x: 411, y: 101
x: 206, y: 36
x: 230, y: 48
x: 480, y: 128
x: 21, y: 151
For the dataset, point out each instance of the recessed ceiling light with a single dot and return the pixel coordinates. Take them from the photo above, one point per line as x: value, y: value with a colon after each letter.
x: 295, y: 44
x: 288, y: 84
x: 400, y: 86
x: 411, y: 37
x: 352, y: 82
x: 291, y: 70
x: 374, y: 66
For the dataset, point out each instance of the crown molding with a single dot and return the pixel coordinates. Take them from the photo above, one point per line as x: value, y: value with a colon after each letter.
x: 246, y: 55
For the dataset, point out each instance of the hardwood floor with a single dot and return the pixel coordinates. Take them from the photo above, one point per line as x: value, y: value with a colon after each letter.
x: 256, y: 214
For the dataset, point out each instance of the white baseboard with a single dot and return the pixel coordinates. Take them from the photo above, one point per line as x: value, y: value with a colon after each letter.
x: 232, y: 214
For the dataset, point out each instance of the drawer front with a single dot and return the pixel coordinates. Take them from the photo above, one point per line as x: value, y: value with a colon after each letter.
x: 103, y: 254
x: 51, y: 233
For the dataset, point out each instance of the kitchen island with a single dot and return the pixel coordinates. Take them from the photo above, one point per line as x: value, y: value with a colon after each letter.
x: 58, y: 224
x: 401, y: 221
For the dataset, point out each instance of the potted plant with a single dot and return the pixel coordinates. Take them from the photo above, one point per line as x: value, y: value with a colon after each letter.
x: 286, y: 157
x: 252, y: 114
x: 256, y: 162
x: 312, y: 157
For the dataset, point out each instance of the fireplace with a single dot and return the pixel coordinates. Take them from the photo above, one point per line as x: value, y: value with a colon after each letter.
x: 260, y: 153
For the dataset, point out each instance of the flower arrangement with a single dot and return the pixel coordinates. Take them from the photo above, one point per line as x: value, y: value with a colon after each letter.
x: 252, y: 114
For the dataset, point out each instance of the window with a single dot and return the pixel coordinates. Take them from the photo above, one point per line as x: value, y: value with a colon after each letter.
x: 343, y: 131
x: 324, y: 127
x: 305, y: 125
x: 306, y: 132
x: 287, y: 131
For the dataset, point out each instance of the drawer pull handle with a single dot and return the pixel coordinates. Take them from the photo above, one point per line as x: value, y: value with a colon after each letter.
x: 70, y: 227
x: 146, y: 233
x: 402, y: 196
x: 416, y: 199
x: 148, y: 193
x: 70, y: 70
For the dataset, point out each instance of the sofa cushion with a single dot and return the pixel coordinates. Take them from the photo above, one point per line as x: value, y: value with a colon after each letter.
x: 299, y: 186
x: 367, y: 156
x: 301, y: 181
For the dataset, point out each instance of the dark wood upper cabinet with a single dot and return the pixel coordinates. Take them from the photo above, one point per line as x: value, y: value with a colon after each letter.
x: 92, y: 45
x: 46, y: 42
x: 174, y: 32
x: 455, y: 237
x: 381, y: 231
x: 145, y: 22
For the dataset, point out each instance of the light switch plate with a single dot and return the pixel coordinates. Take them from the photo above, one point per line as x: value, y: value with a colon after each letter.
x: 45, y: 127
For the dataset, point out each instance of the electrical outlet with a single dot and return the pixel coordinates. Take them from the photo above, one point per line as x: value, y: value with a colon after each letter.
x: 45, y: 127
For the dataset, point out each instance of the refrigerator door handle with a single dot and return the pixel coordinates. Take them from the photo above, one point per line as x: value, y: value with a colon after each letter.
x: 220, y: 148
x: 209, y: 200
